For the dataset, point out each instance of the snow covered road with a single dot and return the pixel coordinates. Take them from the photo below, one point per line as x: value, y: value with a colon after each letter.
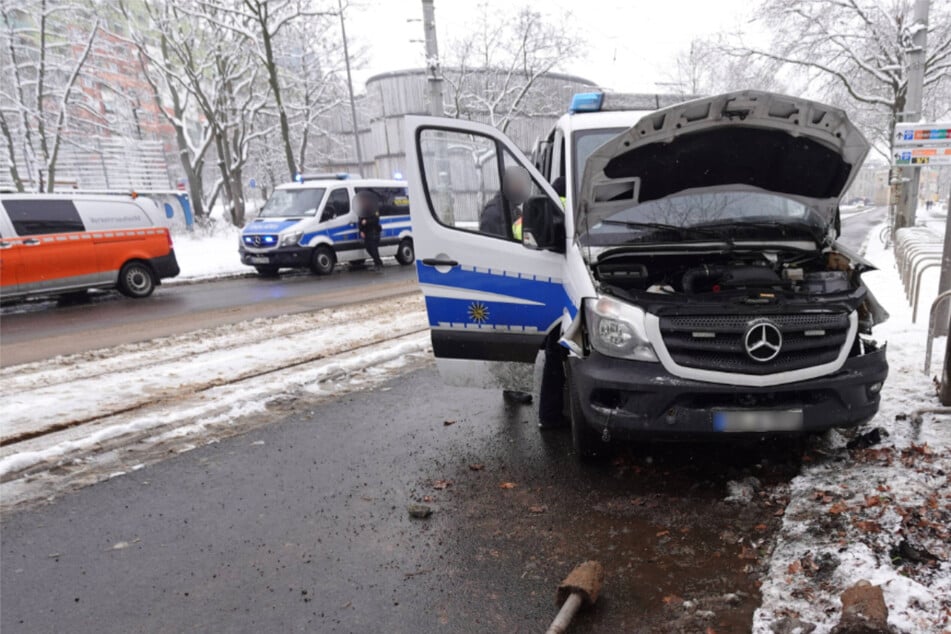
x: 74, y: 413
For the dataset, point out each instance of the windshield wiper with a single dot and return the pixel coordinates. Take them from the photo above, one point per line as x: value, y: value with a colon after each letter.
x: 660, y: 226
x: 816, y: 233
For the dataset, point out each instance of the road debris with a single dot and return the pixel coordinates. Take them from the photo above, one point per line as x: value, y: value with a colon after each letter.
x: 419, y: 511
x: 580, y: 589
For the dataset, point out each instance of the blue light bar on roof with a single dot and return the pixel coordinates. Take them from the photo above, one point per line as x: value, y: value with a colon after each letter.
x: 586, y: 102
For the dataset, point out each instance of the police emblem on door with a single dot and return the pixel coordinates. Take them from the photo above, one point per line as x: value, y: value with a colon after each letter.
x: 478, y: 312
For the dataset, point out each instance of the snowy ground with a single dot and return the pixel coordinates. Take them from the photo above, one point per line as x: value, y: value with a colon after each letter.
x: 874, y: 513
x: 78, y: 418
x: 203, y: 256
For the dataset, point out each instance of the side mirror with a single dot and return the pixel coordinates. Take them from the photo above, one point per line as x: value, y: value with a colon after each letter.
x: 543, y: 225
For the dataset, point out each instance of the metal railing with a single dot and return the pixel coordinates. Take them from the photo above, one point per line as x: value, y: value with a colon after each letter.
x: 932, y: 327
x: 917, y: 249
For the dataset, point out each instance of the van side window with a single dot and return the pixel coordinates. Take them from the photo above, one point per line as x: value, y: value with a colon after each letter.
x: 474, y: 183
x: 394, y: 201
x: 38, y: 217
x: 338, y: 204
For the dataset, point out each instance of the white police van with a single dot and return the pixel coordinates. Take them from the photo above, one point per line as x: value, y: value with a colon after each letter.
x: 312, y: 224
x: 690, y: 283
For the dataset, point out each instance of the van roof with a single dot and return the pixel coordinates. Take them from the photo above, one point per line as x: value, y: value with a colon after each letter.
x: 71, y: 196
x: 333, y: 182
x: 604, y: 119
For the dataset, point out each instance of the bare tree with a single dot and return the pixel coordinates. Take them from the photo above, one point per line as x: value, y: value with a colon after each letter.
x: 311, y: 50
x: 45, y: 47
x: 856, y: 54
x: 493, y: 73
x: 261, y: 23
x: 703, y: 69
x: 163, y: 44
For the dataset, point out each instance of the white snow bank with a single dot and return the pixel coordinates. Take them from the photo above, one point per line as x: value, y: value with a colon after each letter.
x: 849, y: 509
x: 202, y: 256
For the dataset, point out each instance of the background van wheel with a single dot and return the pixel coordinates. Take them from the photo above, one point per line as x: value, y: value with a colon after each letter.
x: 585, y: 439
x: 405, y: 254
x: 323, y: 260
x: 267, y: 271
x: 136, y: 279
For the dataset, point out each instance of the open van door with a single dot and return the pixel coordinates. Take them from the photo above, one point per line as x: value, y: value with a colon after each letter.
x: 491, y: 300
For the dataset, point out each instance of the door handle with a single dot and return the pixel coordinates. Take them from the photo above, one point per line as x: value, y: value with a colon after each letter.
x: 5, y: 245
x: 439, y: 262
x: 31, y: 242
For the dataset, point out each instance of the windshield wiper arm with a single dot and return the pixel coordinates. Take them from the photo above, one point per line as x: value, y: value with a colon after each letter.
x: 660, y: 226
x: 815, y: 232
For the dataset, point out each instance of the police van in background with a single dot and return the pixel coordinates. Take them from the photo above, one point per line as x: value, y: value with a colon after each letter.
x: 312, y: 223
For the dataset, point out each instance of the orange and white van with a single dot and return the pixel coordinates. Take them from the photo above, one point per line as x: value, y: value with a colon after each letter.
x: 54, y: 243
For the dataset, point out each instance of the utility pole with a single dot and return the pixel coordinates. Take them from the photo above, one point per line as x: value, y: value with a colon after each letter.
x: 943, y: 314
x: 442, y: 198
x: 353, y: 103
x: 908, y: 176
x: 432, y: 60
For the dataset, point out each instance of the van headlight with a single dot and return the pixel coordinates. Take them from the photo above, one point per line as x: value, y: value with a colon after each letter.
x: 617, y: 330
x: 290, y: 239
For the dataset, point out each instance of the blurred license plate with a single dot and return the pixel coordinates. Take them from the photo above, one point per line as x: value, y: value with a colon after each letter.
x: 758, y: 420
x: 259, y: 259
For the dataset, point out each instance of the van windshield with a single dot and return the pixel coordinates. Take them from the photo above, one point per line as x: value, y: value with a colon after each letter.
x: 285, y: 203
x: 586, y: 142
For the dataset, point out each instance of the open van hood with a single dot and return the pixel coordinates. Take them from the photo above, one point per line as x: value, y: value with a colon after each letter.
x: 744, y: 140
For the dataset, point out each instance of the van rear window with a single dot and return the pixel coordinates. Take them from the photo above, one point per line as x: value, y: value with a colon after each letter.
x: 38, y: 217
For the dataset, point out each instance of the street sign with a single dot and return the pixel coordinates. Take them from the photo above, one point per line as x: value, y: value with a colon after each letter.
x: 936, y: 134
x: 252, y: 183
x: 918, y: 157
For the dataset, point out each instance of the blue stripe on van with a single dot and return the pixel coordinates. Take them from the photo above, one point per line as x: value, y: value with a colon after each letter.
x: 349, y: 232
x: 258, y: 227
x: 545, y: 291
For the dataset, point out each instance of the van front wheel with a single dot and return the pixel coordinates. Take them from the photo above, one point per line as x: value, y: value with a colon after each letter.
x: 322, y: 261
x: 136, y: 280
x: 405, y: 254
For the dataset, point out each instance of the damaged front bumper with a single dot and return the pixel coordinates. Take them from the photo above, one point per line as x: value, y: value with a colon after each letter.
x: 628, y: 398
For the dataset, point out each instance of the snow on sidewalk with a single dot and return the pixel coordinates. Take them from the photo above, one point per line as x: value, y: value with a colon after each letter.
x: 877, y: 513
x: 203, y: 257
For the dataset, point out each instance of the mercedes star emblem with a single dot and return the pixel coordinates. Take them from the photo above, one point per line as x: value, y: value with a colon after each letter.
x: 763, y: 341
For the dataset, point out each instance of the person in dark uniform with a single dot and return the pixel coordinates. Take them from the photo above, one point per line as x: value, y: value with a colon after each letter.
x: 368, y: 211
x: 516, y: 189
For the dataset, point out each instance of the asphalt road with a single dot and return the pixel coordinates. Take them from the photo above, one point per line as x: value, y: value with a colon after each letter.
x: 37, y: 330
x: 302, y: 526
x: 856, y: 227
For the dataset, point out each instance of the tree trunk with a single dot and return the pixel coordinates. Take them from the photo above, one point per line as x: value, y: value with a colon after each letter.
x: 238, y: 206
x: 8, y: 137
x: 274, y: 81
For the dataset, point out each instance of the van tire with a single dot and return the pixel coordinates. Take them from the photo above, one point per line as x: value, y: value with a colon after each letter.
x: 405, y: 253
x: 267, y: 271
x: 323, y: 260
x: 136, y: 280
x: 587, y: 444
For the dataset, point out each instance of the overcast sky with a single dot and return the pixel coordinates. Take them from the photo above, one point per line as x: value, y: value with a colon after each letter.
x: 630, y: 44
